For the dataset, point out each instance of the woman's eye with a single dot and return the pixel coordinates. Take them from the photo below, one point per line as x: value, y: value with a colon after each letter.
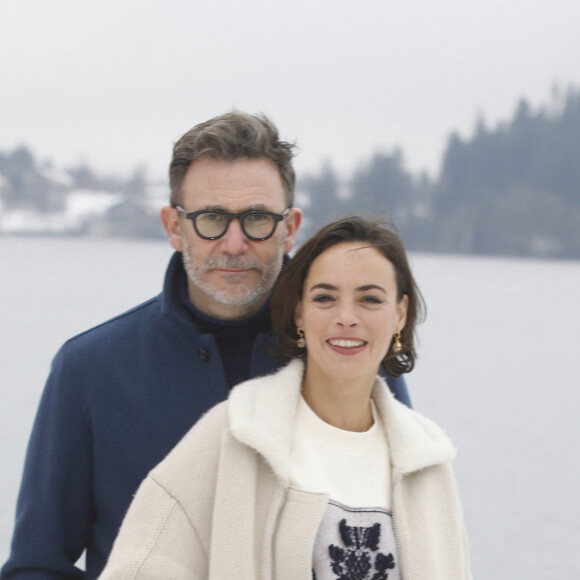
x: 373, y: 300
x: 322, y: 298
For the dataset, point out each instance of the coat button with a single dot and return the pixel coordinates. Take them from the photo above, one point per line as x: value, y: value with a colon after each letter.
x: 203, y: 354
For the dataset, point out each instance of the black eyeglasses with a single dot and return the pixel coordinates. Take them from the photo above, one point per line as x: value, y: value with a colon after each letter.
x: 212, y: 224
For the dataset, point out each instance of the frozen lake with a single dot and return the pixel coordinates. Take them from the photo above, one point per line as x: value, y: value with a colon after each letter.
x: 498, y: 370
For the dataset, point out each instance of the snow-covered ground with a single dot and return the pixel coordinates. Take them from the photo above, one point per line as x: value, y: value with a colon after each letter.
x: 498, y: 370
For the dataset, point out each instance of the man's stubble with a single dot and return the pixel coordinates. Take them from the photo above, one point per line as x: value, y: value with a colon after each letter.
x: 236, y: 292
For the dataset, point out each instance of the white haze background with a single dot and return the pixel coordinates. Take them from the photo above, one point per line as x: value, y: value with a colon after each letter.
x: 116, y: 82
x: 498, y: 370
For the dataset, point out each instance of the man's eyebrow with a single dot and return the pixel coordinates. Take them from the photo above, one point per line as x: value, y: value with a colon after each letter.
x: 257, y: 207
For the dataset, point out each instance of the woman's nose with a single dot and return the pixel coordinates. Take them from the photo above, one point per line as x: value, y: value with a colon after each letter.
x: 347, y: 315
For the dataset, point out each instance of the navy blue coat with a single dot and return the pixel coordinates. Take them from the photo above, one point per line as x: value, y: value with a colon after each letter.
x: 118, y: 398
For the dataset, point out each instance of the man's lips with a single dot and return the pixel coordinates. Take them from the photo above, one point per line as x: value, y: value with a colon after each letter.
x: 232, y: 270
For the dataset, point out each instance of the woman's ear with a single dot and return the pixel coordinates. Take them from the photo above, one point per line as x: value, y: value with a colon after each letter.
x: 402, y: 307
x: 298, y: 314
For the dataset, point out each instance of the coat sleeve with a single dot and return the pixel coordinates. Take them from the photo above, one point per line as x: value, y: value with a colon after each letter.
x: 157, y: 541
x: 54, y: 508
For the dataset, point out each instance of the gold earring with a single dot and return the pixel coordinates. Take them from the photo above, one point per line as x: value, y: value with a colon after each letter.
x: 397, y: 346
x: 301, y: 342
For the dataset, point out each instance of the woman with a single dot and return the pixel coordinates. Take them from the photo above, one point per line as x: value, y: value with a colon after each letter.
x: 315, y: 471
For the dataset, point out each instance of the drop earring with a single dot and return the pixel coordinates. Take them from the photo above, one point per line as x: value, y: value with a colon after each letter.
x: 397, y: 346
x: 301, y: 342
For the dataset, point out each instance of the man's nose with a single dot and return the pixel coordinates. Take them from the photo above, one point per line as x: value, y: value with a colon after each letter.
x: 234, y: 241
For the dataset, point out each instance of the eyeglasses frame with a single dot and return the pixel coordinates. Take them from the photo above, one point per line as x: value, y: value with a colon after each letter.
x: 192, y: 215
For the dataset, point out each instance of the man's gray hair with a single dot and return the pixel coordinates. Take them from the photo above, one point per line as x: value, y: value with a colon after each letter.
x: 232, y: 136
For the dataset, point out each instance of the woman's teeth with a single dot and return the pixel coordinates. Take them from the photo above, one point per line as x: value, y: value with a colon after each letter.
x: 346, y: 343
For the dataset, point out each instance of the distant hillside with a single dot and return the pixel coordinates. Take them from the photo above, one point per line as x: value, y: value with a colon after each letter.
x: 513, y: 189
x: 510, y: 190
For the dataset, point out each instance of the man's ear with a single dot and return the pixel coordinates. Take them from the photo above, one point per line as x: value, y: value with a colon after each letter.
x: 170, y: 219
x: 293, y: 221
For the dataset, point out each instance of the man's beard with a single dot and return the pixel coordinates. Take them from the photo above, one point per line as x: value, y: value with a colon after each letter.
x: 234, y: 293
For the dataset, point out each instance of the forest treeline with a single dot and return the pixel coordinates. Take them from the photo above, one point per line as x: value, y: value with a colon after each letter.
x: 512, y: 189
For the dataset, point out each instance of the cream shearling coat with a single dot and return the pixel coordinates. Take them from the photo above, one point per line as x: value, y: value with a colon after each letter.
x: 220, y: 506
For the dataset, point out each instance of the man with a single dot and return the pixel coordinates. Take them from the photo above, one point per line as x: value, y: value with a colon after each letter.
x: 121, y: 395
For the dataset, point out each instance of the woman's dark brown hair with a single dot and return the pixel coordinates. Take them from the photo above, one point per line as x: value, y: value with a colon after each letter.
x: 288, y: 290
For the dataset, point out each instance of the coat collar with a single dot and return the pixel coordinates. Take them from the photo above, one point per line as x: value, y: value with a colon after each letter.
x: 262, y: 411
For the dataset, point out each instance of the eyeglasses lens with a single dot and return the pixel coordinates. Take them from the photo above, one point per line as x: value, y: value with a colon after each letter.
x: 254, y: 225
x: 211, y: 225
x: 258, y: 225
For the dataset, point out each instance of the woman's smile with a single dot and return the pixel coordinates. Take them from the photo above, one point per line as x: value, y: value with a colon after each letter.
x: 346, y: 345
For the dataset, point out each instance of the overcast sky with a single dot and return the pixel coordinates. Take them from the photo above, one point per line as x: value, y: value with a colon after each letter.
x: 116, y: 82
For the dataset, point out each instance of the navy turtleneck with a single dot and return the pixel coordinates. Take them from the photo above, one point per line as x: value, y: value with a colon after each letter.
x: 235, y: 338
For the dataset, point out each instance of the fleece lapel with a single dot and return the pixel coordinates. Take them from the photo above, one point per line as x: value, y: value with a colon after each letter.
x: 415, y: 442
x: 262, y: 415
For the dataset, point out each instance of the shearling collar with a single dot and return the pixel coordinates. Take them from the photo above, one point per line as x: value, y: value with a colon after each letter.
x: 262, y: 412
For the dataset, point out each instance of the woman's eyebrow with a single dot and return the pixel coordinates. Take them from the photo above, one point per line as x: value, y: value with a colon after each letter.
x: 367, y: 287
x: 323, y: 286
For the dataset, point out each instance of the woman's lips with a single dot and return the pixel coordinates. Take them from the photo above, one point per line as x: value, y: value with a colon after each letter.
x: 346, y: 345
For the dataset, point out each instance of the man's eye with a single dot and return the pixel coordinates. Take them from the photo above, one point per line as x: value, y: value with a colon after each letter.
x: 212, y: 217
x: 257, y: 217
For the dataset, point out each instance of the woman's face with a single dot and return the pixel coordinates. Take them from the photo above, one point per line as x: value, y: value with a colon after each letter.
x: 349, y: 311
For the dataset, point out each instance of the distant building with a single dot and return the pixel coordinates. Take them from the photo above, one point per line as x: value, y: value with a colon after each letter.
x: 89, y: 213
x: 129, y: 218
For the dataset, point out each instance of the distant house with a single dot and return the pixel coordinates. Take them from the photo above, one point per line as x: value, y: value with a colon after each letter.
x: 128, y: 218
x: 89, y: 213
x: 31, y: 223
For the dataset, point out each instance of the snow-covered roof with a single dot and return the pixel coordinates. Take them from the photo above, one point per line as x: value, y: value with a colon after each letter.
x: 56, y: 175
x: 82, y: 203
x: 31, y: 222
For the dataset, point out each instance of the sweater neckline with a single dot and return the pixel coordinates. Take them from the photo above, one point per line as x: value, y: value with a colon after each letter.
x: 310, y: 425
